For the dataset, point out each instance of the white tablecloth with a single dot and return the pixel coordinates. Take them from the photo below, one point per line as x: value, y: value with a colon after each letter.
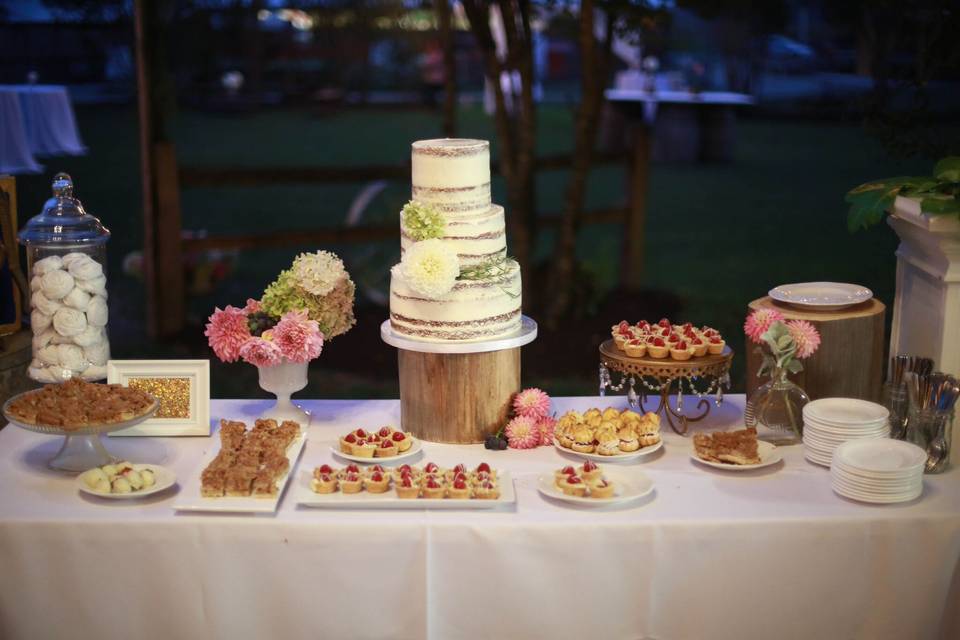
x: 15, y: 155
x: 45, y: 124
x: 764, y: 554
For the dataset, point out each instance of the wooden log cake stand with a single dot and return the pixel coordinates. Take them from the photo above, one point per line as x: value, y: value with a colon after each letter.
x: 457, y: 392
x: 849, y: 362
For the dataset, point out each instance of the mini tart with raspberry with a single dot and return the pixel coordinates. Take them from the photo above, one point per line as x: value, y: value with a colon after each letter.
x: 458, y: 470
x: 384, y: 432
x: 347, y: 442
x: 657, y: 348
x: 323, y: 483
x: 601, y: 488
x: 405, y: 469
x: 459, y: 489
x: 681, y: 351
x: 403, y: 440
x: 407, y: 487
x: 432, y: 487
x: 377, y: 482
x: 324, y: 469
x: 698, y: 345
x: 351, y: 483
x: 636, y: 348
x: 432, y: 468
x: 715, y: 345
x: 590, y: 470
x: 574, y: 486
x: 487, y: 490
x: 562, y: 474
x: 364, y: 448
x: 387, y: 449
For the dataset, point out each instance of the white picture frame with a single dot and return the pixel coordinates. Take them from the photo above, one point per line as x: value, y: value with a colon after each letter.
x: 196, y: 373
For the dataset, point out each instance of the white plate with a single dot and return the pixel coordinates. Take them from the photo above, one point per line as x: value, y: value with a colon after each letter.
x: 414, y: 449
x: 821, y: 296
x: 835, y: 429
x: 627, y: 486
x: 882, y: 455
x: 163, y: 477
x: 769, y: 455
x: 880, y: 478
x: 869, y: 485
x: 306, y: 497
x: 191, y: 500
x: 846, y: 412
x: 829, y: 441
x: 818, y: 459
x: 863, y: 497
x: 622, y: 457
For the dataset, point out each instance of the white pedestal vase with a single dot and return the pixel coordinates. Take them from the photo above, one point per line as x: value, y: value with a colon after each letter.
x: 282, y: 380
x: 926, y: 311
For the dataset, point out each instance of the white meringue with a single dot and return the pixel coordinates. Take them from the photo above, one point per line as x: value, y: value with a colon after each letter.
x: 45, y: 304
x: 39, y: 320
x: 49, y: 354
x: 97, y: 311
x: 41, y: 374
x: 35, y: 363
x: 94, y: 372
x: 36, y: 283
x: 98, y: 353
x: 85, y: 269
x: 50, y: 263
x: 95, y: 286
x: 90, y: 336
x: 71, y: 357
x: 69, y: 322
x: 59, y: 339
x: 74, y: 256
x: 78, y: 299
x: 42, y: 339
x: 57, y: 284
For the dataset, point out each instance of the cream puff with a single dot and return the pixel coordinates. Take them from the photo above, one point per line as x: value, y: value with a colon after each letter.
x: 608, y: 443
x: 583, y: 440
x: 628, y: 439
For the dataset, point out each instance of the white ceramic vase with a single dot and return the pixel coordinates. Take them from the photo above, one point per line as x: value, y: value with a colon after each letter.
x: 282, y: 380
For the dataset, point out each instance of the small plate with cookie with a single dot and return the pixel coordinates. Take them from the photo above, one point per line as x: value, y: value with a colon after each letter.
x: 591, y: 485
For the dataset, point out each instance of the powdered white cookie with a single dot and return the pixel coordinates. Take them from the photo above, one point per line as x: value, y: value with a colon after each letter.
x: 74, y: 256
x: 50, y: 263
x: 49, y: 354
x: 39, y: 320
x: 78, y: 299
x: 85, y: 269
x: 45, y: 304
x: 59, y: 339
x: 98, y: 353
x: 42, y: 339
x: 71, y: 357
x: 69, y: 322
x: 57, y: 284
x: 41, y: 374
x: 36, y: 283
x: 95, y: 286
x: 97, y: 311
x: 91, y: 335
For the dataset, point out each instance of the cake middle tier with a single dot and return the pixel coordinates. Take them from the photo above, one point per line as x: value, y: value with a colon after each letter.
x: 476, y: 239
x: 474, y: 310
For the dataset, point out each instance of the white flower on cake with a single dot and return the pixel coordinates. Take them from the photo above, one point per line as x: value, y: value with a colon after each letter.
x: 318, y: 273
x: 430, y: 268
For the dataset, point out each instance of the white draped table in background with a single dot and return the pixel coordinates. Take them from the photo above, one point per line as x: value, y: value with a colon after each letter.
x: 765, y: 554
x: 36, y: 120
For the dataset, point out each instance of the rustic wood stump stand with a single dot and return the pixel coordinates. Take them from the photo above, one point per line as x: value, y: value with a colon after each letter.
x: 457, y: 392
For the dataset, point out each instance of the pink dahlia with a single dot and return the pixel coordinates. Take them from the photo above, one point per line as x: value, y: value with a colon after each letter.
x: 522, y: 433
x: 261, y: 353
x: 298, y: 337
x: 759, y: 321
x: 546, y: 426
x: 226, y: 332
x: 253, y: 306
x: 532, y: 402
x: 805, y: 336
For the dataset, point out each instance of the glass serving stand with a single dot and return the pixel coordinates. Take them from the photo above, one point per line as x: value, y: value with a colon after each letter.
x: 82, y: 447
x: 704, y: 376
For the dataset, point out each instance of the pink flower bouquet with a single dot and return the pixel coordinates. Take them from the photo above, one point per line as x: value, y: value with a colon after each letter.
x: 788, y: 341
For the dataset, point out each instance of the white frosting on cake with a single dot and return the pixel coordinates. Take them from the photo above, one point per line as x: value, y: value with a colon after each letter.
x: 453, y: 177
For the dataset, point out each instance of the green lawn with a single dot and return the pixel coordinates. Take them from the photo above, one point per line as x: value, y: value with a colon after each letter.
x: 718, y: 235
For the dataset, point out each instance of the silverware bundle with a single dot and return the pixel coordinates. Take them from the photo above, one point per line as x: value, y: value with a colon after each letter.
x: 903, y: 364
x: 895, y: 394
x: 933, y: 397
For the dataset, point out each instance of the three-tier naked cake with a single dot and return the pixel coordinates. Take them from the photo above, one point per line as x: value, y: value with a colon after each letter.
x: 455, y: 281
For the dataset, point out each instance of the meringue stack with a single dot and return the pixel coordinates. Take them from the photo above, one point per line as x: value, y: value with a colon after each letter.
x: 68, y: 315
x: 829, y: 422
x: 881, y: 471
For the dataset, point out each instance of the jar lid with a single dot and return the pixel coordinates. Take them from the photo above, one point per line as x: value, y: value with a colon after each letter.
x: 63, y: 220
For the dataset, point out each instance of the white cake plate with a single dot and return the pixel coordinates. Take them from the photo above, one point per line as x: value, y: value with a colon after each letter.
x: 525, y: 335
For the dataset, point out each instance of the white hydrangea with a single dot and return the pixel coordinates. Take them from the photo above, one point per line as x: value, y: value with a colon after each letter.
x: 318, y: 273
x: 430, y: 268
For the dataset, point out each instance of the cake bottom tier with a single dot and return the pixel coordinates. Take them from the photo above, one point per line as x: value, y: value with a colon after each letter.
x: 474, y: 310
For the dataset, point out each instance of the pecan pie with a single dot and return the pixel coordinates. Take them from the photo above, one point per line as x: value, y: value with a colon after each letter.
x: 249, y: 462
x: 76, y: 404
x: 731, y: 447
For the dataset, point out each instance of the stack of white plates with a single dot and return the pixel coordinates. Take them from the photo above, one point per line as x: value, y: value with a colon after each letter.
x: 880, y: 471
x: 829, y: 422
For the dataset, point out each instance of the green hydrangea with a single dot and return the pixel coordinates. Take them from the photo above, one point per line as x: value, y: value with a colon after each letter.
x: 333, y: 311
x: 421, y: 221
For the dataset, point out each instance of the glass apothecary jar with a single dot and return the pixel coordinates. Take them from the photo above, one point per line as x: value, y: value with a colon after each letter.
x: 67, y: 260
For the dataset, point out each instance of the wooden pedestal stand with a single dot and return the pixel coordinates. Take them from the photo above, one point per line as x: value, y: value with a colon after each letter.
x: 849, y: 362
x: 457, y: 392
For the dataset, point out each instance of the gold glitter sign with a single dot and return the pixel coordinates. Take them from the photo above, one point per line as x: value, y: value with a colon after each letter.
x: 173, y: 394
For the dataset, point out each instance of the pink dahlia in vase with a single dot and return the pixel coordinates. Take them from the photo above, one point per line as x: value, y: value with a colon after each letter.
x: 805, y: 337
x: 298, y: 338
x: 227, y: 331
x: 261, y: 353
x: 758, y: 322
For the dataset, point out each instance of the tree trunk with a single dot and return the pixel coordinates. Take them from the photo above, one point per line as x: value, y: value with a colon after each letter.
x: 449, y: 69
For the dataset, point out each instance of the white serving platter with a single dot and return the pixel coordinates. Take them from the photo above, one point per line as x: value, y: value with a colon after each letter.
x: 627, y: 486
x: 821, y: 296
x: 769, y: 455
x: 306, y: 497
x: 190, y: 499
x: 164, y: 478
x: 621, y: 457
x: 414, y: 449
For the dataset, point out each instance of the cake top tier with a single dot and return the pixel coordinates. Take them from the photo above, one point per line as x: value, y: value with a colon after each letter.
x: 448, y: 164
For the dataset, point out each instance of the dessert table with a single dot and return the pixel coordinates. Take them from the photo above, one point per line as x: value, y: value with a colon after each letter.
x: 757, y: 554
